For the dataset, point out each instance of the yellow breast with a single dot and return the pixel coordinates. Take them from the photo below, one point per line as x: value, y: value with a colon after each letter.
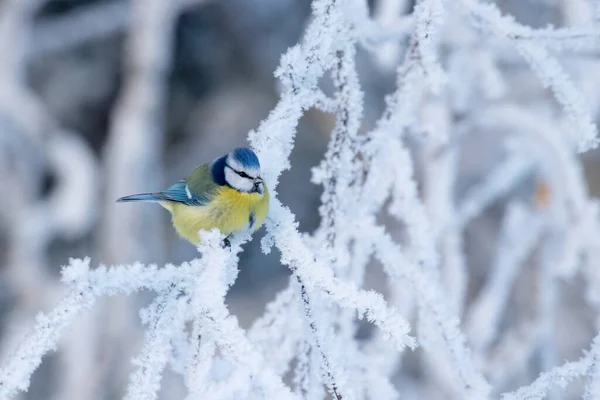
x: 230, y: 211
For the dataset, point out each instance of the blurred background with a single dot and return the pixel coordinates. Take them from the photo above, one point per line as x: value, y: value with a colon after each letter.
x: 104, y: 98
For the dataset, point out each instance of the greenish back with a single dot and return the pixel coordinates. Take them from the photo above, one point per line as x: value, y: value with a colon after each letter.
x: 197, y: 189
x: 201, y: 183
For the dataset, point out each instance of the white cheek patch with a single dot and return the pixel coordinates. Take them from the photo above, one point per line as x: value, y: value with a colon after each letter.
x: 237, y: 182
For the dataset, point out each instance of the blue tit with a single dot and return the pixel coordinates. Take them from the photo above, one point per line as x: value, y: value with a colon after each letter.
x: 228, y: 194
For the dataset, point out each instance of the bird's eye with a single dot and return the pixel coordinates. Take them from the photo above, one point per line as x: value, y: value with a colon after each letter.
x: 243, y: 174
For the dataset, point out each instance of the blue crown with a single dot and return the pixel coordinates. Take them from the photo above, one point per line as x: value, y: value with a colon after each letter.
x: 246, y: 157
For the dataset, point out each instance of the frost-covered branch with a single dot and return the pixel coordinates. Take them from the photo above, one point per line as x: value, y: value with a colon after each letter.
x: 186, y: 290
x: 315, y: 275
x: 166, y: 316
x: 560, y: 376
x: 435, y: 312
x: 548, y: 69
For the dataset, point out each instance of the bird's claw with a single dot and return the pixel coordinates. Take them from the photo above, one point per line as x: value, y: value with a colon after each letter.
x: 226, y: 244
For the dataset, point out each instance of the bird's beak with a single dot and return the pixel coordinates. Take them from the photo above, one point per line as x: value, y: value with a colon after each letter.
x: 257, y: 185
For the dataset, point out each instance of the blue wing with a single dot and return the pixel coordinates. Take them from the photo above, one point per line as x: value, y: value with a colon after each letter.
x: 180, y: 193
x: 197, y: 190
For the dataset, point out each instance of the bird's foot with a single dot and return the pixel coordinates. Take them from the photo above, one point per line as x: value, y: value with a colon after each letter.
x: 226, y: 244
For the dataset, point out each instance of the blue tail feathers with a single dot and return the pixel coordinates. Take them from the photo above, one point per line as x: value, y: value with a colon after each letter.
x: 140, y: 197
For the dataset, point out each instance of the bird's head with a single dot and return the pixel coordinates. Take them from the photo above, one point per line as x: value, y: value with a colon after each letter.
x: 242, y: 171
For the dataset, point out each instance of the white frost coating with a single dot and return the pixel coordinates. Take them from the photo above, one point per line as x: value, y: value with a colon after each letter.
x: 165, y: 316
x: 429, y: 15
x: 316, y: 275
x: 207, y: 299
x: 592, y: 387
x: 583, y: 129
x: 199, y: 363
x: 280, y: 327
x: 16, y: 372
x: 559, y: 376
x: 428, y: 294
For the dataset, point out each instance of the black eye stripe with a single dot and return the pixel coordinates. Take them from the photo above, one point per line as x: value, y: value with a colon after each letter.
x: 240, y: 173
